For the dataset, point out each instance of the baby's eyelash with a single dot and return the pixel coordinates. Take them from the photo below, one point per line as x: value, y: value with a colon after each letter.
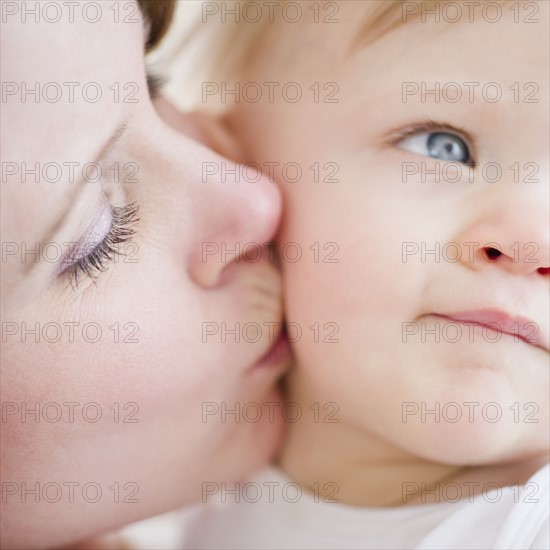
x: 121, y: 231
x: 432, y: 126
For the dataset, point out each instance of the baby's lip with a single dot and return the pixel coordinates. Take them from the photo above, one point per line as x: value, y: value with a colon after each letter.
x: 525, y: 329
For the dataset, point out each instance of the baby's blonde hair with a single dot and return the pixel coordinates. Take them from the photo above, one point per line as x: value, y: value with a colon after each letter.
x: 222, y: 50
x: 234, y: 43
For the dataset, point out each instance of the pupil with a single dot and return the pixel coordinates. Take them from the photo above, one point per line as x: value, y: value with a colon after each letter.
x: 447, y: 147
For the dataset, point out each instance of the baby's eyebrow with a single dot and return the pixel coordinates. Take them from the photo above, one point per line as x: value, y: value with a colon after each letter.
x: 381, y: 17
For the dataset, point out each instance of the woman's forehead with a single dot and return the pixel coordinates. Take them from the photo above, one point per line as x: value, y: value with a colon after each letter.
x: 66, y: 88
x: 71, y: 43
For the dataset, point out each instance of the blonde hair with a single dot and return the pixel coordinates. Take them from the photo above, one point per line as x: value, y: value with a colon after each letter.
x: 222, y: 50
x: 233, y: 44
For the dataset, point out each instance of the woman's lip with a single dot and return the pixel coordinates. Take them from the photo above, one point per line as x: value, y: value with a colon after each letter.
x: 279, y: 351
x: 499, y: 321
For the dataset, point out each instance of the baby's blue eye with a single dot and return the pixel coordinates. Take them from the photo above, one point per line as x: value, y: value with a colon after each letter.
x: 447, y: 147
x: 439, y: 145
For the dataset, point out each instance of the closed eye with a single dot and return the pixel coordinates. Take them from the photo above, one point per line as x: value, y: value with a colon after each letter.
x: 90, y: 258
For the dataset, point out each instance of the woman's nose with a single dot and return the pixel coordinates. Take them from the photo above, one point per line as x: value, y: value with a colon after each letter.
x: 240, y: 210
x: 234, y: 210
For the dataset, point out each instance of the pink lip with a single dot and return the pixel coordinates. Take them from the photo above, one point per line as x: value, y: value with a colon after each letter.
x: 520, y: 327
x: 279, y: 351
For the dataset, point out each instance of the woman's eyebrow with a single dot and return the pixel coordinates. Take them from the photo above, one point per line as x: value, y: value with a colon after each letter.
x: 75, y: 193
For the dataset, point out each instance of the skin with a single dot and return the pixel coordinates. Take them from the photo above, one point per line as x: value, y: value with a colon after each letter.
x: 370, y: 451
x: 168, y: 293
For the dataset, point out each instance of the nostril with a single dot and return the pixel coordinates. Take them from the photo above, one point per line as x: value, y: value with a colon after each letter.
x: 492, y: 253
x: 544, y: 270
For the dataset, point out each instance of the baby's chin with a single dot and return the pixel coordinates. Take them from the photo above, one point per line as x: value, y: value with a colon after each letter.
x: 474, y: 445
x: 469, y: 416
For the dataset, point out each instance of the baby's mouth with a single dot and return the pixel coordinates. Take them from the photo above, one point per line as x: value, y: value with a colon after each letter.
x: 500, y: 322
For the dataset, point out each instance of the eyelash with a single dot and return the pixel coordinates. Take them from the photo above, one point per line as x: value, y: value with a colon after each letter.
x: 122, y: 220
x: 155, y: 83
x: 433, y: 126
x: 121, y: 231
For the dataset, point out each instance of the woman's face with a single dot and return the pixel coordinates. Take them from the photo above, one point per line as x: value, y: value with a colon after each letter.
x: 117, y: 368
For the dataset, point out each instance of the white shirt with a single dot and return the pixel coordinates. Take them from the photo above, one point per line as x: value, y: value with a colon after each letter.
x: 271, y: 514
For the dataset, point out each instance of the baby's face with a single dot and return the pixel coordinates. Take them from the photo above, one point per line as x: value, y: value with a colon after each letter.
x: 394, y: 183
